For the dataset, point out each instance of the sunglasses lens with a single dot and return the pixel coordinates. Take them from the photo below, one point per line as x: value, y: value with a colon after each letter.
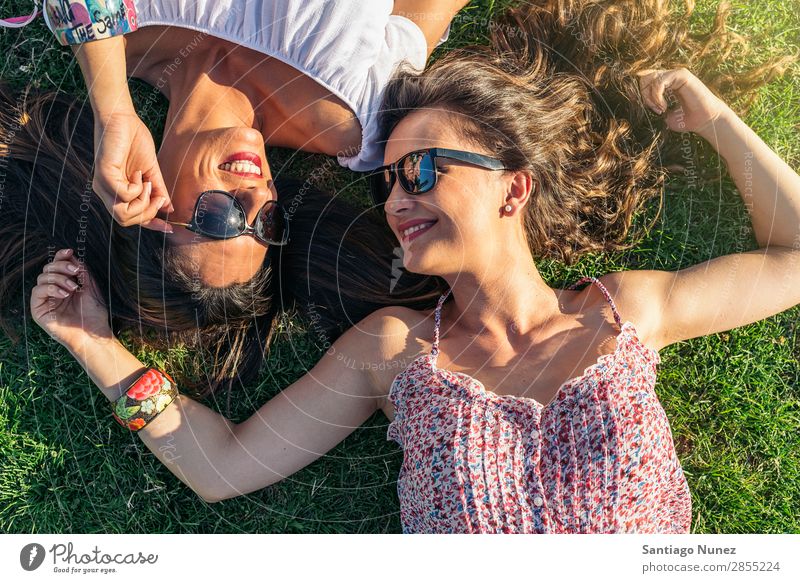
x: 218, y: 215
x: 270, y: 224
x: 417, y: 172
x: 380, y: 186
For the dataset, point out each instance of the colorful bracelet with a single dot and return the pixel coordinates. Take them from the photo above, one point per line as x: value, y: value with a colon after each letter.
x: 144, y: 400
x: 78, y: 21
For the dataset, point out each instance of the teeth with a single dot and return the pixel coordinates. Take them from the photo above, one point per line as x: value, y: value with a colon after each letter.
x: 242, y: 166
x: 416, y: 228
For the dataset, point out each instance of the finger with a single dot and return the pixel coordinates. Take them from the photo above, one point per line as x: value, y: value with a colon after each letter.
x: 65, y: 263
x: 66, y: 257
x: 656, y: 92
x: 50, y: 290
x: 151, y: 221
x: 114, y: 187
x: 166, y: 206
x: 673, y: 81
x: 159, y: 225
x: 46, y: 291
x: 132, y: 190
x: 47, y: 294
x: 67, y: 267
x: 646, y: 79
x: 130, y: 213
x: 142, y: 203
x: 160, y: 187
x: 65, y: 282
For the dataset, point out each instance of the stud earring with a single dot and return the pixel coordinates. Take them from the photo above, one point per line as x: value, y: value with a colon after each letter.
x: 508, y: 208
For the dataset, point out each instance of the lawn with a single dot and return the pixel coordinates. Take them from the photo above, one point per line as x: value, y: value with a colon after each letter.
x: 733, y: 399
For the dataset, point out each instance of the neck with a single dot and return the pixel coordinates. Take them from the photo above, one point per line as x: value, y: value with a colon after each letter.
x: 201, y: 96
x: 507, y: 301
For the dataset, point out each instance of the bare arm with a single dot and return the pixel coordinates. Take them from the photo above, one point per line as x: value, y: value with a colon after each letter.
x: 103, y: 65
x: 127, y: 177
x: 741, y: 288
x: 219, y: 459
x: 431, y: 16
x: 215, y: 457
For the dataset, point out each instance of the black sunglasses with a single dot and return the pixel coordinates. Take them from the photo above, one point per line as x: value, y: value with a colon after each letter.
x: 217, y: 214
x: 416, y: 171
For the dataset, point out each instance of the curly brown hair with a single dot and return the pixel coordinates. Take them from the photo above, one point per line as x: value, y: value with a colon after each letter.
x: 555, y: 92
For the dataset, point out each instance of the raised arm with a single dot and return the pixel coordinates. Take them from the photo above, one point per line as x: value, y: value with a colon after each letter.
x: 215, y: 457
x: 431, y: 16
x: 127, y: 177
x: 737, y: 289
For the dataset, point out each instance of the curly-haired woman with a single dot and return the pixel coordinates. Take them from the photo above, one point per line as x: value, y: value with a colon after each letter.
x: 524, y: 408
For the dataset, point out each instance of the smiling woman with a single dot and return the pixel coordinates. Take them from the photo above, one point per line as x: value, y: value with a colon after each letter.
x: 194, y: 283
x: 305, y: 75
x: 520, y: 407
x: 47, y: 141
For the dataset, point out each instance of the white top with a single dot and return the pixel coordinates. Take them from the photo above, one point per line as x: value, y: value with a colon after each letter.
x: 350, y: 47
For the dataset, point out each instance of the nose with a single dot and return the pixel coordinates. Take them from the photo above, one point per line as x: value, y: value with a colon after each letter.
x: 253, y: 198
x: 399, y: 201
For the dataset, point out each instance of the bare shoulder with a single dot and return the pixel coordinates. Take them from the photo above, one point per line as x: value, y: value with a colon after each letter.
x: 394, y: 327
x: 396, y: 336
x: 639, y: 295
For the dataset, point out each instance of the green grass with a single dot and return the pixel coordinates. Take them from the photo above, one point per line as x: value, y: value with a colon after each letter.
x: 733, y: 399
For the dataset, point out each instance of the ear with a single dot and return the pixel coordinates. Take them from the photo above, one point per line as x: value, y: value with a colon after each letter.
x: 521, y: 187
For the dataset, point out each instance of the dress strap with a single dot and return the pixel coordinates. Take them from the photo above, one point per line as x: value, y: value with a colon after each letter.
x: 607, y: 295
x: 437, y: 317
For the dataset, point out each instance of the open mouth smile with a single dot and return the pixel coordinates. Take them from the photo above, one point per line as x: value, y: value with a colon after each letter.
x: 415, y: 229
x: 244, y: 164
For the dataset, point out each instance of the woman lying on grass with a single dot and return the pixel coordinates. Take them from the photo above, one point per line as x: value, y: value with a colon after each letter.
x: 239, y: 77
x: 498, y: 433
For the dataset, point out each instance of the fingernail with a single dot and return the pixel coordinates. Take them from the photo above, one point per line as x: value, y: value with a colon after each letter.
x: 72, y: 268
x: 169, y: 229
x: 63, y: 293
x: 72, y: 285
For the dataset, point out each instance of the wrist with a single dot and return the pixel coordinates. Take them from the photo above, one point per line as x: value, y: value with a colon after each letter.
x: 87, y: 345
x: 81, y: 21
x: 108, y: 363
x: 109, y: 108
x: 724, y: 119
x: 103, y: 65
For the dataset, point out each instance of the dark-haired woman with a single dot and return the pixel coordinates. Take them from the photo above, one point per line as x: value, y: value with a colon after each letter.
x: 238, y: 76
x: 306, y: 75
x: 498, y: 432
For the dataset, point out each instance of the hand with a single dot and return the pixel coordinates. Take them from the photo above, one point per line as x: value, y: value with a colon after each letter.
x: 127, y: 177
x: 698, y: 108
x: 66, y: 303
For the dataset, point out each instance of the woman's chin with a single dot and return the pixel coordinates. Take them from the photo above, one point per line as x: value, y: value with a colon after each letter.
x: 435, y: 258
x: 419, y: 266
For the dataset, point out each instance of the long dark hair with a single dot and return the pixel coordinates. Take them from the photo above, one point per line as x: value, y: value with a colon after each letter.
x: 336, y: 270
x: 555, y: 92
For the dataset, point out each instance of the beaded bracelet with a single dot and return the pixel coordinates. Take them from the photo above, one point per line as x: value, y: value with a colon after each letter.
x: 148, y: 396
x: 78, y: 21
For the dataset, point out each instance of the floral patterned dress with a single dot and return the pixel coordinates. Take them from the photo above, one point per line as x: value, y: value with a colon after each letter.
x: 599, y: 458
